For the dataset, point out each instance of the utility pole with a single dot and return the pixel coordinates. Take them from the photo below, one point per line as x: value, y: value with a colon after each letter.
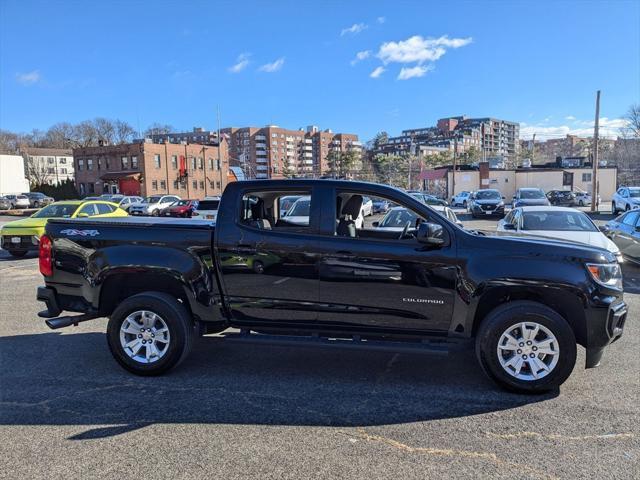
x: 219, y: 148
x: 455, y: 161
x: 533, y: 148
x: 595, y: 160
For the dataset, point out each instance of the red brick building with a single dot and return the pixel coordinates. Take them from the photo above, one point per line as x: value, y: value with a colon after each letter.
x: 144, y: 168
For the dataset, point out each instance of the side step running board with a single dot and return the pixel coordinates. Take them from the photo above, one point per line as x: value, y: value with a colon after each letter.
x: 61, y: 322
x: 429, y: 347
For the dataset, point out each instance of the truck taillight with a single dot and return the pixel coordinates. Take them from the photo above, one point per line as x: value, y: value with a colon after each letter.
x: 44, y: 256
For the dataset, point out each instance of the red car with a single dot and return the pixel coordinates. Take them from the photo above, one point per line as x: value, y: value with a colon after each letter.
x: 181, y: 208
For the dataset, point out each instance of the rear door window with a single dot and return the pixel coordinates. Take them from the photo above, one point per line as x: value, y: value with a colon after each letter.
x: 103, y: 208
x: 631, y: 218
x: 262, y: 210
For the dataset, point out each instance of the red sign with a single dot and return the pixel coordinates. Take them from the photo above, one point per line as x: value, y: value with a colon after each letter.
x: 183, y: 166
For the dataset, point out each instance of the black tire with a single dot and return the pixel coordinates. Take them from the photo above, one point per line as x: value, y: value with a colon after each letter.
x: 258, y: 267
x: 464, y: 204
x: 36, y: 204
x: 512, y: 313
x: 155, y: 213
x: 181, y: 327
x: 614, y: 210
x: 17, y: 253
x: 626, y: 209
x: 581, y: 203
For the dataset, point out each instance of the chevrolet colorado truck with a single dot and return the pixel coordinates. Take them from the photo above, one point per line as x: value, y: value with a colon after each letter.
x: 323, y: 281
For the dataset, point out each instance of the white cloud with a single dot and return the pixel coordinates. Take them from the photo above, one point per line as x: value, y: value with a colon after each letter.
x: 418, y: 49
x: 354, y: 29
x: 414, y: 72
x: 377, y: 72
x: 273, y: 66
x: 381, y: 20
x: 242, y: 62
x: 361, y: 56
x: 569, y: 117
x: 28, y: 78
x: 609, y: 128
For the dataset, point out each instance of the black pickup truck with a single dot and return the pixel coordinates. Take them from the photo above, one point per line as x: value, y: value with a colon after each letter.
x: 321, y: 276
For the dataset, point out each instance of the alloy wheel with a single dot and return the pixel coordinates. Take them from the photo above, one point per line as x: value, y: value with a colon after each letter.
x: 528, y: 351
x: 144, y: 336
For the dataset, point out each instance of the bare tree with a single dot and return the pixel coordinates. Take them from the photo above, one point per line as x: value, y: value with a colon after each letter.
x: 124, y: 132
x: 633, y: 119
x: 37, y: 171
x: 60, y: 135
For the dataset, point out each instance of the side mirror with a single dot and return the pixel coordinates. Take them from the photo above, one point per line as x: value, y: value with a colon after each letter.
x: 503, y: 197
x: 83, y: 215
x: 431, y: 234
x: 509, y: 226
x: 605, y: 229
x: 375, y: 224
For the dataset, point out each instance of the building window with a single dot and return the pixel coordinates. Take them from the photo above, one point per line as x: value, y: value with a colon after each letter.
x: 174, y: 162
x: 89, y: 164
x: 80, y: 164
x: 175, y: 184
x: 63, y: 160
x: 92, y: 187
x: 201, y: 185
x: 194, y: 184
x: 154, y: 185
x: 51, y: 160
x: 586, y: 177
x: 212, y: 184
x: 134, y: 162
x: 218, y: 164
x: 107, y: 163
x: 51, y: 170
x: 124, y: 161
x: 218, y: 185
x: 99, y: 164
x: 63, y: 171
x: 82, y: 189
x: 156, y: 160
x: 193, y: 163
x: 210, y: 163
x: 200, y: 164
x: 163, y: 185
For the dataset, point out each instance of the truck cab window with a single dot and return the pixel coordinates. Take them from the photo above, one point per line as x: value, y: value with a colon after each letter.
x: 277, y: 210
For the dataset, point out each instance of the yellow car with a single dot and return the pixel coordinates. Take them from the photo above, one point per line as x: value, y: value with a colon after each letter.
x: 21, y: 236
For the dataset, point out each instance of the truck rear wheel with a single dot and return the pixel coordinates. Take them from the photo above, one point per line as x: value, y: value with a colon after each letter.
x: 150, y: 333
x: 526, y: 347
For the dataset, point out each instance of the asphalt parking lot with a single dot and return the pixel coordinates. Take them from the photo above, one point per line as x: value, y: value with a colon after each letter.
x: 239, y: 411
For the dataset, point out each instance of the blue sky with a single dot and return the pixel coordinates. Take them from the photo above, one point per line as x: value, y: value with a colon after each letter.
x: 297, y: 63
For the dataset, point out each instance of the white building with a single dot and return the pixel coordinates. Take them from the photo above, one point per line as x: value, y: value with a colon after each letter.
x: 12, y: 178
x: 49, y: 165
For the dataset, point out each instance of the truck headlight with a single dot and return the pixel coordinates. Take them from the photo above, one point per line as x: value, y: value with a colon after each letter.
x: 607, y: 274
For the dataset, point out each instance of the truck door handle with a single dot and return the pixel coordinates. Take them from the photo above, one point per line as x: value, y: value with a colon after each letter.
x: 245, y: 250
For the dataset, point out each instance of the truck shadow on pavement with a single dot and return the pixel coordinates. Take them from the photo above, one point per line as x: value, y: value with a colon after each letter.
x: 71, y: 379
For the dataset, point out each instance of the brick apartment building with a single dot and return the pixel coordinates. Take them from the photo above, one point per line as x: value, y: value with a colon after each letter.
x: 145, y: 168
x: 198, y: 135
x: 274, y: 152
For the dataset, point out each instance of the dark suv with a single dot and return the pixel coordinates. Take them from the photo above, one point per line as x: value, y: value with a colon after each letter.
x: 563, y: 198
x: 486, y: 202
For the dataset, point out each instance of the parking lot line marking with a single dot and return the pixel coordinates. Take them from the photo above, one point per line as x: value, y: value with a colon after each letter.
x: 282, y: 280
x: 553, y: 436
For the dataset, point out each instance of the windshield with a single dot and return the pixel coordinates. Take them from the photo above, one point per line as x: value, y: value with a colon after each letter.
x: 181, y: 203
x: 558, y: 221
x: 634, y: 192
x: 154, y: 199
x: 488, y: 195
x: 398, y: 218
x: 300, y: 209
x: 531, y: 194
x: 56, y: 211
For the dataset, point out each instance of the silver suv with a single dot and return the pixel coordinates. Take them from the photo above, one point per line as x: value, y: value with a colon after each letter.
x: 626, y: 198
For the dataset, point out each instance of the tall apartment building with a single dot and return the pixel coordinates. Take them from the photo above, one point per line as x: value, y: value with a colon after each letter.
x: 49, y: 165
x: 274, y: 152
x: 490, y: 137
x: 146, y: 168
x: 198, y: 135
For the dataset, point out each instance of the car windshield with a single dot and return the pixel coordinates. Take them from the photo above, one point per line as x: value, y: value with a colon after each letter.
x: 558, y: 221
x: 153, y: 199
x: 56, y: 211
x: 488, y: 195
x: 208, y: 205
x: 300, y: 209
x: 181, y: 203
x: 398, y: 218
x: 634, y: 192
x: 531, y: 194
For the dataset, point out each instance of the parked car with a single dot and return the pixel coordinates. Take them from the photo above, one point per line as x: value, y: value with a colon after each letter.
x: 152, y: 205
x: 584, y: 199
x: 512, y: 295
x: 207, y: 209
x: 287, y: 202
x: 397, y: 218
x: 562, y: 198
x: 18, y: 201
x: 125, y: 201
x: 486, y: 202
x: 367, y: 206
x: 380, y: 205
x: 428, y: 199
x: 5, y: 203
x: 624, y: 231
x: 461, y: 199
x: 181, y: 208
x: 529, y: 197
x: 298, y: 214
x: 21, y: 236
x: 557, y: 222
x: 37, y: 199
x: 625, y: 198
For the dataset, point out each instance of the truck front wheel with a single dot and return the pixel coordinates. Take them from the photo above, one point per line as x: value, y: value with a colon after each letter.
x: 150, y: 333
x: 526, y: 347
